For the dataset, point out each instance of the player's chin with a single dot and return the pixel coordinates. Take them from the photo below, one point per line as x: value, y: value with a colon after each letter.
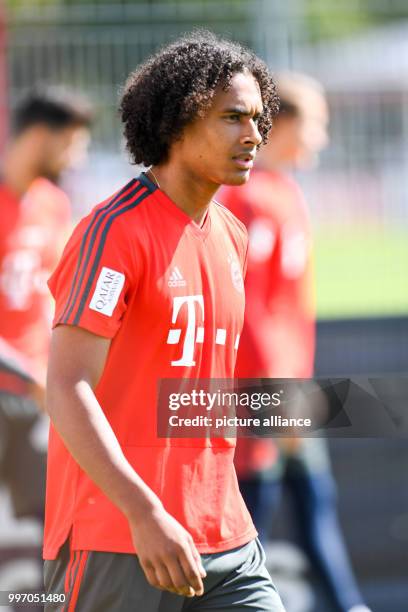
x: 239, y: 177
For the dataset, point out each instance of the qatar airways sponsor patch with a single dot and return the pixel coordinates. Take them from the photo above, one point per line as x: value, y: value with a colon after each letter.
x: 108, y: 289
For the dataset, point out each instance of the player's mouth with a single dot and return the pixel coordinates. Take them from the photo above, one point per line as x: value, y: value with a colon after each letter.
x: 245, y: 161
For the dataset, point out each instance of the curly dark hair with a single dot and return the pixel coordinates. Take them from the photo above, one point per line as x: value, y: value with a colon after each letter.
x: 174, y: 86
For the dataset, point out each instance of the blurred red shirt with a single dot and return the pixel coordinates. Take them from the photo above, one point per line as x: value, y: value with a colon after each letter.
x: 32, y: 231
x: 278, y: 339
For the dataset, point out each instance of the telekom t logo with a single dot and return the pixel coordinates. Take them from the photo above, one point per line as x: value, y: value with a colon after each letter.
x: 193, y: 334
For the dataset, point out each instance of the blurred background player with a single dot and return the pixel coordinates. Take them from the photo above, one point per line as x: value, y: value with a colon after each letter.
x: 49, y: 134
x: 278, y: 340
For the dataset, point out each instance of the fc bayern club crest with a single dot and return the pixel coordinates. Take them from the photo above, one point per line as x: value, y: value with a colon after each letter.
x: 236, y: 274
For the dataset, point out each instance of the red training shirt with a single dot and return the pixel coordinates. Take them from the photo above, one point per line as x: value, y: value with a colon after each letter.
x: 170, y: 295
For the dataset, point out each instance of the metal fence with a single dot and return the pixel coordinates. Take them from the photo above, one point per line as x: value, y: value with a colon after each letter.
x: 93, y: 47
x: 363, y: 178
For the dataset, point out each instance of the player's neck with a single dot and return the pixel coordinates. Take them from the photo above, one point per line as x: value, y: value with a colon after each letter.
x: 189, y: 193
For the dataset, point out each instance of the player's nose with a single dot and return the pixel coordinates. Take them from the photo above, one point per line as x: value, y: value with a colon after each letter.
x: 252, y: 134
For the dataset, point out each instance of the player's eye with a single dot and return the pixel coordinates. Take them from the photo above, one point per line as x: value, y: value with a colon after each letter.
x: 233, y: 117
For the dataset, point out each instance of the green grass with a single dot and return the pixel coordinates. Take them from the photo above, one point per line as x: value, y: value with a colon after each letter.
x: 361, y: 271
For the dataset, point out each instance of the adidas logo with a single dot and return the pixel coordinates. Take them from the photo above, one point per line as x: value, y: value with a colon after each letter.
x: 176, y: 278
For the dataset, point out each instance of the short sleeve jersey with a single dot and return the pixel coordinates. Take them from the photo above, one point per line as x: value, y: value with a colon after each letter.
x: 169, y: 293
x: 32, y: 232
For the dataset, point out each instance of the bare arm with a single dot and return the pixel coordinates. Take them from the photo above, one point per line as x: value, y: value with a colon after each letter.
x: 165, y: 549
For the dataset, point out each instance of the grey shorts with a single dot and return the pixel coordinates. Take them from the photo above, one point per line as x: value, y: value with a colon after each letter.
x: 93, y: 581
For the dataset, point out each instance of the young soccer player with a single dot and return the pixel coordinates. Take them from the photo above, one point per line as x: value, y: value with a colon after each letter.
x: 148, y: 288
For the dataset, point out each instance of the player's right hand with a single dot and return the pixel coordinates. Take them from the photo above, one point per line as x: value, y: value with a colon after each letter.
x: 167, y: 554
